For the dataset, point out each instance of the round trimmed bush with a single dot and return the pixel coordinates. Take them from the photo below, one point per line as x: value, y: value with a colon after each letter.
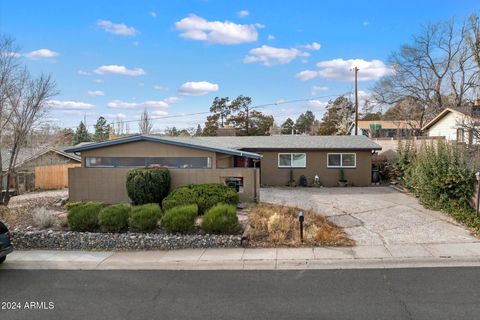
x: 84, y: 217
x: 114, y: 218
x: 204, y: 196
x: 145, y: 217
x: 221, y: 218
x: 149, y: 185
x: 180, y: 219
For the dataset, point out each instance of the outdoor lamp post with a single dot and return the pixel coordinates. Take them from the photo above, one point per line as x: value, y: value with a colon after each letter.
x: 301, y: 218
x: 477, y: 175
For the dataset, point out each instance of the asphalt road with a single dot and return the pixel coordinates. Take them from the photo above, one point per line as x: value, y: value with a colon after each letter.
x: 437, y: 293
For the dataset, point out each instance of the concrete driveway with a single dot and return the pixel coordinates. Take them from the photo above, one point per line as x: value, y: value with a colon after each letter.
x: 374, y: 215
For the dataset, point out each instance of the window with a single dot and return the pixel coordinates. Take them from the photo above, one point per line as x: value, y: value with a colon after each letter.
x: 342, y: 160
x: 292, y: 160
x: 460, y: 135
x: 135, y: 162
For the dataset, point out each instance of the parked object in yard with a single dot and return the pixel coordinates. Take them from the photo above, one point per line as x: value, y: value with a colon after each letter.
x: 5, y: 244
x: 303, y: 181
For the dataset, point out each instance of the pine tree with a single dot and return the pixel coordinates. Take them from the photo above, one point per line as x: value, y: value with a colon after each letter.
x: 198, y: 132
x: 288, y: 127
x: 81, y: 134
x: 102, y: 130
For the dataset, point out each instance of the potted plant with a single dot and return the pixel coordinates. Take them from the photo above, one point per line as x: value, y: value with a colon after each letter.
x: 291, y: 181
x: 342, y: 182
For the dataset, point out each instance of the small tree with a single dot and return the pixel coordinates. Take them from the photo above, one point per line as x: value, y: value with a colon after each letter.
x: 149, y: 185
x: 288, y: 127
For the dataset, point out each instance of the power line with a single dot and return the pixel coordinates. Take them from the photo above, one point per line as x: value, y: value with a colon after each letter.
x: 260, y: 106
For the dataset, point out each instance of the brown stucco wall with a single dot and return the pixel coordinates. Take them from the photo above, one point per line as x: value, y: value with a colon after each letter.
x: 272, y: 175
x: 148, y: 149
x: 108, y: 184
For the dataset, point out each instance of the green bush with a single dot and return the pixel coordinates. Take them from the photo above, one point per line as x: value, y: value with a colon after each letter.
x: 145, y: 217
x: 204, y: 196
x: 70, y: 205
x: 84, y: 217
x: 221, y: 218
x: 180, y: 219
x: 114, y: 218
x: 149, y: 185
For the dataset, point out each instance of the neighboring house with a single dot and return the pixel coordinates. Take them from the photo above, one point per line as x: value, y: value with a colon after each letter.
x: 43, y: 168
x: 241, y: 162
x: 387, y: 129
x: 460, y: 125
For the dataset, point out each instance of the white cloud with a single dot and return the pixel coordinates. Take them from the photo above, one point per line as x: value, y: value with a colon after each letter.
x: 120, y: 104
x: 158, y: 113
x: 98, y: 81
x: 78, y: 113
x: 271, y: 37
x: 306, y: 75
x: 197, y: 28
x: 117, y: 28
x: 315, y: 89
x: 69, y: 105
x: 160, y: 87
x: 316, y: 104
x: 83, y: 73
x: 341, y: 70
x: 116, y: 69
x: 243, y: 13
x: 153, y: 14
x: 41, y: 54
x: 312, y: 46
x: 96, y: 93
x: 171, y: 100
x: 269, y: 56
x: 197, y: 88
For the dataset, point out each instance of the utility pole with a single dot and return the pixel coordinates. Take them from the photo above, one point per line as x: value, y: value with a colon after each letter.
x: 356, y: 100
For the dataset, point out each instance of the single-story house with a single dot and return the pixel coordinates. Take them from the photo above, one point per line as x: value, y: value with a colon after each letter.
x: 241, y: 162
x: 49, y: 164
x: 460, y: 125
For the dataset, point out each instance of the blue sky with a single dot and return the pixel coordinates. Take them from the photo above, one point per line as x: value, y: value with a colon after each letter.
x: 115, y: 58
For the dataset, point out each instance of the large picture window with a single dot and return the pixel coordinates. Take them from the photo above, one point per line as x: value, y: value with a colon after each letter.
x: 139, y: 162
x: 342, y: 160
x: 292, y: 160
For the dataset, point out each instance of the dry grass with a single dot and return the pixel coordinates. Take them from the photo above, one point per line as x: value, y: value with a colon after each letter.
x: 273, y: 225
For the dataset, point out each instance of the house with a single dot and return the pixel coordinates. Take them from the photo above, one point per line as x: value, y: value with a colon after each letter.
x: 459, y: 125
x: 39, y: 168
x: 240, y: 162
x: 387, y: 129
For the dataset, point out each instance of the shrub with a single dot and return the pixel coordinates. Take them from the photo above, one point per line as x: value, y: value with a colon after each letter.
x: 204, y: 196
x: 114, y: 218
x: 180, y: 219
x: 221, y: 218
x: 70, y: 205
x: 149, y: 185
x: 43, y: 217
x: 84, y: 217
x: 145, y: 217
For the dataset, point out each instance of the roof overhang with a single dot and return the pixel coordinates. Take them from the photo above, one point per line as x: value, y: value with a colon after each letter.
x: 137, y: 138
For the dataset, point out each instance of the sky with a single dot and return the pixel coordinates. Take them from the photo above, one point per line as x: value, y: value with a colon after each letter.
x: 116, y: 58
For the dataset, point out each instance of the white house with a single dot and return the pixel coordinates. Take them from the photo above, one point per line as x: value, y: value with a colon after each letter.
x: 460, y: 125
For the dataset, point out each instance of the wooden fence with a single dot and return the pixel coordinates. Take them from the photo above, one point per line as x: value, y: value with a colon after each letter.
x: 53, y: 177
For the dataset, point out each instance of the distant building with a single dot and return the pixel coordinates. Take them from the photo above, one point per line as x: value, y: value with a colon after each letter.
x: 387, y: 129
x: 460, y: 125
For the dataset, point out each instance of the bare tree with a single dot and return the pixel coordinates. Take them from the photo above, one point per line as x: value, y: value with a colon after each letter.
x: 434, y: 71
x: 145, y: 124
x: 26, y: 98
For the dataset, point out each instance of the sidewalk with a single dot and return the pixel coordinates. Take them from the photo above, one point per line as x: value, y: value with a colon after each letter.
x: 390, y: 256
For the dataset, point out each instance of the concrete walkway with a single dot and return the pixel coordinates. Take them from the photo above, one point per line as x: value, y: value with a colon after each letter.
x: 390, y: 256
x: 375, y: 216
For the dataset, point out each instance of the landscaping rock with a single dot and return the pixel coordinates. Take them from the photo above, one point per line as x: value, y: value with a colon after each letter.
x: 70, y: 240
